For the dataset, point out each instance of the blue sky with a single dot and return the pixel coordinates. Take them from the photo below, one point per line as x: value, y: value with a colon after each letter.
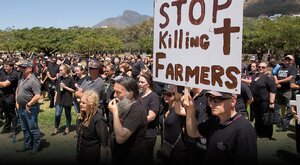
x: 19, y: 14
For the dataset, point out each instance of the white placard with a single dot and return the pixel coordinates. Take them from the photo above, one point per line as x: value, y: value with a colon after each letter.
x: 198, y: 43
x: 297, y: 104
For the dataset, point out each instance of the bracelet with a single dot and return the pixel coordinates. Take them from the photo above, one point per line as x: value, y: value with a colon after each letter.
x: 177, y: 99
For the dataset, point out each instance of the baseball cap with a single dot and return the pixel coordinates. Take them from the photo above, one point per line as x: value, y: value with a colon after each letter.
x: 26, y: 64
x: 21, y: 61
x: 289, y: 56
x: 224, y: 95
x: 168, y: 88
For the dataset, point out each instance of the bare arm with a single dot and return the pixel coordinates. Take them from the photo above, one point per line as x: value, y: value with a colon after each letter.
x: 191, y: 121
x: 121, y: 133
x: 4, y: 84
x: 151, y: 116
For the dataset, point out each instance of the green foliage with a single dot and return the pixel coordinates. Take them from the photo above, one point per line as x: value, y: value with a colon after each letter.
x: 281, y: 35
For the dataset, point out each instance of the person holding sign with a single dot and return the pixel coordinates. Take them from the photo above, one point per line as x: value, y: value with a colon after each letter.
x: 231, y: 139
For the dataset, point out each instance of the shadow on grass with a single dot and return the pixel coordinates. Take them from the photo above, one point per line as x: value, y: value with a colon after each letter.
x: 287, y: 156
x: 44, y: 144
x: 292, y: 135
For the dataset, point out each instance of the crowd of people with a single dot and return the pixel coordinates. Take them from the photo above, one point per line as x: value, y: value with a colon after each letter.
x: 121, y: 110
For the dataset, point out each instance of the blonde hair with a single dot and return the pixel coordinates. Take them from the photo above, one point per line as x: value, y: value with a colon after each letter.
x: 67, y: 69
x: 92, y: 100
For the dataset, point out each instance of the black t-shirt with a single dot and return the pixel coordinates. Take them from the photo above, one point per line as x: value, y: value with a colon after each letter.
x: 172, y: 128
x: 243, y: 97
x: 64, y: 97
x: 261, y: 87
x: 285, y: 72
x: 12, y: 77
x: 78, y: 81
x: 151, y: 102
x: 230, y: 143
x: 133, y: 150
x: 136, y: 68
x: 53, y: 69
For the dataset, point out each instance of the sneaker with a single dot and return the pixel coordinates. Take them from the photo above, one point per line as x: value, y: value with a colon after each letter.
x: 281, y: 129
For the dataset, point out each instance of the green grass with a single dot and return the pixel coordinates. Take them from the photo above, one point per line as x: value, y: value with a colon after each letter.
x: 46, y: 118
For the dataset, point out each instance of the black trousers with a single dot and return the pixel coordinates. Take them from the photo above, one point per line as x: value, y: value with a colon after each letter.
x: 262, y: 130
x: 10, y: 116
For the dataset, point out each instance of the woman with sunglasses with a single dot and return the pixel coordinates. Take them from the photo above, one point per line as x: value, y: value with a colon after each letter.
x: 263, y: 89
x: 172, y: 126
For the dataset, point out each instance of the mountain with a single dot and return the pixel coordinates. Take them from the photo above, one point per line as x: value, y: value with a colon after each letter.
x: 255, y: 8
x: 128, y: 18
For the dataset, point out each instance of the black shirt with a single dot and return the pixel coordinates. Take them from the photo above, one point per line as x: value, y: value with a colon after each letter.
x: 12, y: 77
x: 285, y: 72
x: 65, y: 97
x: 230, y: 143
x: 261, y: 87
x: 151, y: 102
x: 133, y: 150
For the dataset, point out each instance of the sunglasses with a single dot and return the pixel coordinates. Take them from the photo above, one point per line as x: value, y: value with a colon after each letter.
x: 168, y: 94
x: 216, y: 99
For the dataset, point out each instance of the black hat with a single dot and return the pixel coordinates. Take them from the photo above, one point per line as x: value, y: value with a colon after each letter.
x: 168, y: 88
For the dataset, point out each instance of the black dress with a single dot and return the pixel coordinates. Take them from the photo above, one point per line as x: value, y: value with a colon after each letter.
x: 90, y: 139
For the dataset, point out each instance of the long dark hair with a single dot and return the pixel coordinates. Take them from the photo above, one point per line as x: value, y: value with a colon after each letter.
x: 130, y: 85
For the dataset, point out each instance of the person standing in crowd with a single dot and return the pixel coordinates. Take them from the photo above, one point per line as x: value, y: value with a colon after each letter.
x: 8, y: 86
x: 95, y: 82
x: 129, y: 123
x: 274, y: 65
x: 195, y: 147
x: 284, y: 92
x: 231, y: 139
x: 172, y: 126
x: 247, y: 78
x: 137, y: 66
x: 43, y: 78
x: 295, y: 85
x: 244, y: 100
x: 109, y: 75
x: 150, y: 101
x: 92, y: 133
x: 63, y: 97
x: 80, y: 76
x: 263, y: 88
x: 53, y: 70
x: 27, y: 95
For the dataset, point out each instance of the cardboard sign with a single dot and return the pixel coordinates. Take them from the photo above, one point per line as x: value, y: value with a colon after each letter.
x: 198, y: 43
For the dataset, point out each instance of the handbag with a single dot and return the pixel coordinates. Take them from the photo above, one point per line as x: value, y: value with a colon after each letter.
x: 166, y: 147
x: 271, y: 117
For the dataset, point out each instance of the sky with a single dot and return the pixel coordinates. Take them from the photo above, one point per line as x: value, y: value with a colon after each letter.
x: 19, y: 14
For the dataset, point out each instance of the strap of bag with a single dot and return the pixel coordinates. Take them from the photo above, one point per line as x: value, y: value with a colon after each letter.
x: 164, y: 134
